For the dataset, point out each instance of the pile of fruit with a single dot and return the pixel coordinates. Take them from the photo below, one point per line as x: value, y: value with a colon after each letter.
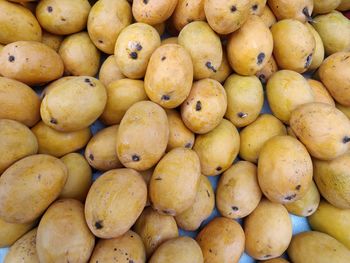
x: 177, y: 111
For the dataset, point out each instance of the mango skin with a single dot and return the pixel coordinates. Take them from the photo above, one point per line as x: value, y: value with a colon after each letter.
x: 63, y: 235
x: 332, y: 179
x: 257, y: 133
x: 284, y: 169
x: 9, y: 232
x: 334, y: 73
x: 332, y: 221
x: 294, y: 45
x: 268, y: 230
x: 142, y: 136
x: 322, y: 128
x: 29, y: 186
x: 24, y: 249
x: 306, y: 205
x: 154, y: 229
x: 178, y: 171
x: 16, y: 142
x: 218, y: 148
x: 17, y: 23
x: 331, y: 28
x: 30, y: 62
x: 121, y: 249
x: 317, y: 247
x: 180, y: 249
x: 110, y: 211
x: 224, y: 237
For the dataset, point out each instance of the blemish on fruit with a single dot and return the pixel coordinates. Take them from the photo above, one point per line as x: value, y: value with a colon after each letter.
x: 255, y: 7
x: 91, y: 84
x: 233, y: 8
x: 98, y: 224
x: 235, y: 208
x: 260, y: 58
x: 91, y: 157
x: 208, y: 193
x: 308, y: 61
x: 138, y: 47
x: 307, y: 14
x: 158, y: 179
x: 135, y: 158
x: 290, y: 197
x: 219, y: 168
x: 298, y: 187
x: 262, y: 78
x: 12, y: 58
x: 242, y: 115
x: 163, y: 58
x: 145, y: 2
x: 133, y: 55
x: 100, y: 41
x: 165, y: 97
x: 53, y: 121
x: 210, y: 66
x: 49, y: 9
x: 198, y: 106
x: 346, y: 139
x: 188, y: 145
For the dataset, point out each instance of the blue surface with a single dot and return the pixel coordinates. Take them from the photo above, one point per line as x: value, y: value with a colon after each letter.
x: 300, y: 224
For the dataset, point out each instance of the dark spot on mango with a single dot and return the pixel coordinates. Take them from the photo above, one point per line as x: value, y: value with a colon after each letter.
x: 131, y: 236
x: 307, y: 14
x: 219, y: 168
x: 255, y: 7
x: 98, y: 224
x: 91, y: 157
x: 133, y: 55
x: 308, y: 61
x: 165, y: 97
x: 189, y: 20
x: 208, y: 193
x: 158, y: 179
x: 138, y: 47
x: 260, y: 58
x: 298, y: 187
x: 233, y: 8
x: 131, y: 261
x: 135, y: 158
x: 234, y: 208
x: 210, y: 251
x: 63, y: 19
x: 53, y: 121
x: 167, y: 212
x: 262, y: 78
x: 210, y: 66
x: 188, y: 145
x: 310, y: 210
x: 100, y: 41
x: 198, y: 105
x: 267, y: 256
x: 163, y: 58
x: 145, y: 2
x: 290, y: 197
x: 242, y: 115
x: 49, y: 9
x: 91, y: 84
x: 346, y: 139
x: 115, y: 249
x: 12, y: 58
